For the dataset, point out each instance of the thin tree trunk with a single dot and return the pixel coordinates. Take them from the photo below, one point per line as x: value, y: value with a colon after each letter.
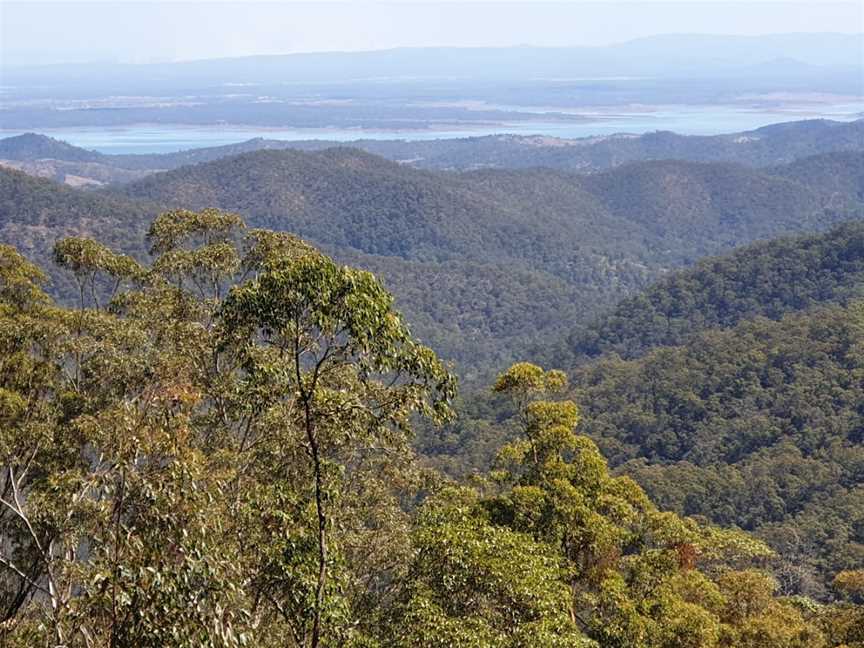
x: 322, y: 533
x: 307, y: 395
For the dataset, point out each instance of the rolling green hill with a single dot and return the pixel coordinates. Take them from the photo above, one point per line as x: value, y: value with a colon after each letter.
x: 766, y: 279
x: 838, y: 176
x: 346, y: 198
x: 744, y: 370
x: 437, y: 239
x: 698, y: 208
x: 734, y: 391
x: 758, y: 426
x: 456, y: 250
x: 486, y: 264
x: 35, y: 212
x: 659, y: 212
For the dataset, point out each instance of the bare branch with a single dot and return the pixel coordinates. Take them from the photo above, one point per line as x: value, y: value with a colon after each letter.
x: 8, y: 564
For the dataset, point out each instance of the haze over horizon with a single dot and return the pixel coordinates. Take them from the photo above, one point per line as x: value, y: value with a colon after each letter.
x: 144, y: 32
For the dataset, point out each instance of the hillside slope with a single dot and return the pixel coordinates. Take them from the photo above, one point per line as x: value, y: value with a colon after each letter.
x: 587, y: 240
x: 754, y: 422
x: 758, y: 426
x: 739, y: 398
x: 838, y: 176
x: 700, y: 208
x: 486, y: 264
x: 32, y: 146
x: 767, y: 279
x: 345, y: 197
x: 35, y: 212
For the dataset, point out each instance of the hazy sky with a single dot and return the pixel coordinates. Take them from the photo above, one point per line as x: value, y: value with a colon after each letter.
x: 39, y: 31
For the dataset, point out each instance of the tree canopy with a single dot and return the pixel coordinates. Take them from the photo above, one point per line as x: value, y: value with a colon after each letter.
x: 213, y: 449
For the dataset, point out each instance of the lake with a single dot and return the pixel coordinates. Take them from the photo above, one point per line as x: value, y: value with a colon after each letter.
x: 690, y: 120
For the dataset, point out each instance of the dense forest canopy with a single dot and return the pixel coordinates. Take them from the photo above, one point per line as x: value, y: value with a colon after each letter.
x: 219, y: 456
x: 731, y: 391
x: 486, y: 264
x: 767, y: 279
x: 759, y: 427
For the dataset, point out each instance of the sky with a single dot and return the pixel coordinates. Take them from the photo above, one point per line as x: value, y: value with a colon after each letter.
x: 43, y: 31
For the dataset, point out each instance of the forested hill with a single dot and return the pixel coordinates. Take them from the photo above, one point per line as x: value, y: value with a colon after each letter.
x: 697, y: 209
x: 32, y: 146
x: 664, y: 213
x: 34, y: 213
x: 838, y: 176
x: 767, y: 146
x: 743, y: 373
x: 347, y: 198
x: 758, y: 426
x: 763, y: 147
x: 485, y: 264
x: 479, y: 264
x: 419, y: 230
x: 482, y: 237
x: 222, y: 458
x: 739, y: 397
x: 766, y: 279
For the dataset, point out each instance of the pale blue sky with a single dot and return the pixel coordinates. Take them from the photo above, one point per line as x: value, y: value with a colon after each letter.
x: 39, y: 31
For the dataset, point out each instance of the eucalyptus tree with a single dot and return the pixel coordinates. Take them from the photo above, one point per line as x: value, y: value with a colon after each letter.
x: 173, y: 442
x: 334, y: 372
x: 630, y: 571
x: 28, y: 375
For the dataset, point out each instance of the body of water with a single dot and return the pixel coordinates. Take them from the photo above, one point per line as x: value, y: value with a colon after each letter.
x: 688, y: 120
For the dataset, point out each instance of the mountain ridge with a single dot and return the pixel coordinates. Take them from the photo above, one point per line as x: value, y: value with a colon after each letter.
x: 431, y: 235
x: 763, y: 147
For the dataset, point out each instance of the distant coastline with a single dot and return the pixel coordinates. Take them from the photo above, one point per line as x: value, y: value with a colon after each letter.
x: 684, y: 119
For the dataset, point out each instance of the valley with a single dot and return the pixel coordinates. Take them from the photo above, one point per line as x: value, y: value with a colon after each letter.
x: 588, y: 272
x: 450, y: 343
x: 458, y: 249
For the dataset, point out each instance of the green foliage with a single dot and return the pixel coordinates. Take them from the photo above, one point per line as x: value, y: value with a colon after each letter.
x: 630, y: 570
x: 758, y: 619
x: 35, y: 213
x: 190, y: 467
x: 466, y: 254
x: 172, y: 479
x: 472, y: 583
x: 758, y: 427
x: 214, y: 449
x: 486, y: 265
x: 20, y: 281
x: 720, y: 413
x: 766, y: 279
x: 850, y: 582
x: 634, y: 565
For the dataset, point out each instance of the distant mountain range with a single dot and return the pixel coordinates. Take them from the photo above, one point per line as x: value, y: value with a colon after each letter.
x: 444, y: 88
x: 772, y: 145
x: 672, y: 55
